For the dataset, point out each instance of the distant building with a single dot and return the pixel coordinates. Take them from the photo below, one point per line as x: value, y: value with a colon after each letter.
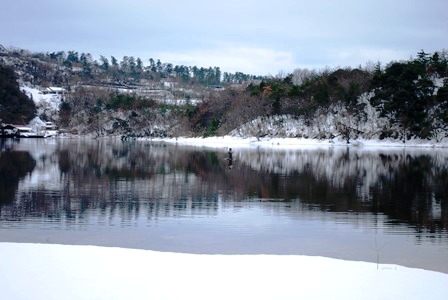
x: 217, y: 87
x: 53, y: 91
x: 7, y: 130
x: 11, y: 130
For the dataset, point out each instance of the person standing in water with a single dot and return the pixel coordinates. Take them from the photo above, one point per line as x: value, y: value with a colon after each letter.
x: 230, y: 158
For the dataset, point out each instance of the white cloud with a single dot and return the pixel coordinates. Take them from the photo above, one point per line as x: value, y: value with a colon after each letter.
x: 252, y: 60
x: 354, y: 56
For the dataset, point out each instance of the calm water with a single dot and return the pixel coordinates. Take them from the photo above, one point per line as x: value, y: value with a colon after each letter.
x: 387, y: 205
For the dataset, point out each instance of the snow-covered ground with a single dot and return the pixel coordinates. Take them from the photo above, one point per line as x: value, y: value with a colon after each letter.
x: 291, y: 143
x: 48, y: 101
x: 43, y: 271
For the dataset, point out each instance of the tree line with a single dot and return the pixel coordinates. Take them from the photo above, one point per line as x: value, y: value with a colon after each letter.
x: 412, y: 95
x: 131, y: 69
x: 406, y: 93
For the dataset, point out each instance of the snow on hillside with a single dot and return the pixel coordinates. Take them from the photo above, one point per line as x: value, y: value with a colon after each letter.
x: 44, y: 100
x: 47, y: 101
x: 335, y: 125
x: 324, y: 124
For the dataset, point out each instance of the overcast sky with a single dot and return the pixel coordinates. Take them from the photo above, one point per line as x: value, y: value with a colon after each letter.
x: 253, y: 36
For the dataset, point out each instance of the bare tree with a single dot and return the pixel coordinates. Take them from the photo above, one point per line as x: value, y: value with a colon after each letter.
x: 300, y: 76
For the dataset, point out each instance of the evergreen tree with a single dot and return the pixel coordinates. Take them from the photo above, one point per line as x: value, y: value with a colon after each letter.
x: 114, y: 68
x: 104, y: 63
x: 152, y: 65
x: 404, y: 92
x: 114, y: 61
x: 15, y: 106
x: 86, y: 60
x: 159, y: 68
x: 124, y: 66
x: 73, y: 56
x: 138, y: 68
x: 132, y: 67
x: 169, y: 69
x: 217, y: 75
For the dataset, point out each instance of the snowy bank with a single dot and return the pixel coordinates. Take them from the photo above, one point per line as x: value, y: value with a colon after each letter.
x: 42, y: 271
x: 295, y: 143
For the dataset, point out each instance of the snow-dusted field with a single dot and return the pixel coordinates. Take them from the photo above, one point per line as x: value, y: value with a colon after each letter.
x: 42, y: 271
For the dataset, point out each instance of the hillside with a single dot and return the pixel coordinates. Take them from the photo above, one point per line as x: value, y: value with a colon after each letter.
x: 400, y: 101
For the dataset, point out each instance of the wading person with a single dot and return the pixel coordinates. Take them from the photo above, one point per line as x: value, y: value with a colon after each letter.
x: 230, y: 158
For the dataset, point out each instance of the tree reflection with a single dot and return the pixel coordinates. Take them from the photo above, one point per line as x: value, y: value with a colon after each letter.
x: 14, y: 165
x: 414, y: 192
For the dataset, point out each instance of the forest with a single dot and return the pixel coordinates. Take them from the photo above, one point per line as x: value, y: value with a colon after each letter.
x: 133, y: 98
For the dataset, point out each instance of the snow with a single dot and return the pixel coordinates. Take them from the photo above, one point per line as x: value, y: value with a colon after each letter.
x: 44, y: 271
x: 50, y: 100
x: 297, y: 143
x: 46, y: 103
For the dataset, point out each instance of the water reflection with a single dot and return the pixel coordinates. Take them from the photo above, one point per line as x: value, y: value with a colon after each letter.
x: 407, y: 185
x: 14, y: 165
x: 329, y: 202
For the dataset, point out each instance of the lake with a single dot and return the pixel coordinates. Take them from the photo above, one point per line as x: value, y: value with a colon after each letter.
x: 385, y: 205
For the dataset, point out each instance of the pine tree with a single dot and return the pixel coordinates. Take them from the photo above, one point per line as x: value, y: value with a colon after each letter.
x: 15, y: 106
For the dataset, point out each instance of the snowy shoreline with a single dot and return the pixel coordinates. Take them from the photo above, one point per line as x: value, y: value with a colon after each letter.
x: 44, y: 271
x: 293, y: 143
